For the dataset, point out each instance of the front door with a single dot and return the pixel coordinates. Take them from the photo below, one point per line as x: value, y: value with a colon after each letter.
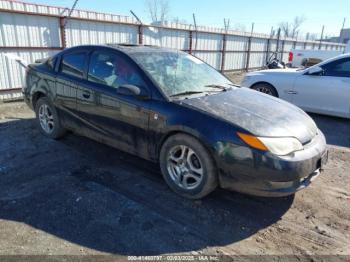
x: 327, y: 92
x: 119, y: 120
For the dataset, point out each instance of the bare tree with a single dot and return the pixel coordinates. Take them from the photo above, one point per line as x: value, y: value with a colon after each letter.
x: 158, y: 10
x: 179, y: 20
x: 291, y: 29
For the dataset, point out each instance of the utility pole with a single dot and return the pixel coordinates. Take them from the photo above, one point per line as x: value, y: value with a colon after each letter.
x: 278, y: 42
x: 319, y: 47
x: 341, y: 31
x: 226, y: 24
x: 252, y: 31
x: 140, y: 27
x: 63, y: 24
x: 71, y: 11
x: 196, y: 29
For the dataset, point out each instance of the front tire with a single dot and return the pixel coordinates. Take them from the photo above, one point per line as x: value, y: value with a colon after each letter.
x: 47, y: 119
x: 187, y: 167
x: 266, y: 89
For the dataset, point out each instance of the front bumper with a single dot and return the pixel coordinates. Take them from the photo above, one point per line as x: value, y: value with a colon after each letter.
x: 258, y: 173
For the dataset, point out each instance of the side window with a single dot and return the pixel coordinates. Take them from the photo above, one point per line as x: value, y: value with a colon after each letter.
x: 112, y: 70
x: 339, y: 68
x: 73, y: 64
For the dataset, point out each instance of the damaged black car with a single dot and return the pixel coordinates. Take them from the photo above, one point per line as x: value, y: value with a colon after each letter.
x: 170, y: 107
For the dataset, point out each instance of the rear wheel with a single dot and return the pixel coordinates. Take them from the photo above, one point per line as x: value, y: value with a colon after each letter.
x: 266, y: 89
x: 47, y: 119
x: 187, y: 167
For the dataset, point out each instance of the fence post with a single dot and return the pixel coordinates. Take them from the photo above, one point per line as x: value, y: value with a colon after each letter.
x: 223, y: 52
x: 63, y: 33
x: 140, y: 34
x: 190, y: 41
x: 278, y: 41
x: 248, y: 53
x: 268, y: 50
x: 282, y: 49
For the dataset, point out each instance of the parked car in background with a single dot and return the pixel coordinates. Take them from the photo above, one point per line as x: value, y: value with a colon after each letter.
x: 305, y: 58
x: 169, y: 107
x: 323, y: 88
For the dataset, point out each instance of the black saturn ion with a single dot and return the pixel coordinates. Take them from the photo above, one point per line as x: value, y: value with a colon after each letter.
x: 169, y: 107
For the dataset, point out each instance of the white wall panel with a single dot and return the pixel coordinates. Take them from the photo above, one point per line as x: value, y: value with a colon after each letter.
x: 235, y: 61
x: 212, y: 58
x: 25, y: 30
x: 257, y: 60
x: 205, y: 41
x: 84, y: 32
x: 258, y: 44
x: 171, y: 38
x: 236, y: 43
x: 11, y: 73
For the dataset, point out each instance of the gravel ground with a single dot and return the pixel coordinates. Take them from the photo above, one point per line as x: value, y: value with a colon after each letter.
x: 75, y: 196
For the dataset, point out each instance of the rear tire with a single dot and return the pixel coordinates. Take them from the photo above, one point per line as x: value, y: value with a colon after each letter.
x: 47, y: 119
x: 188, y: 167
x: 266, y: 89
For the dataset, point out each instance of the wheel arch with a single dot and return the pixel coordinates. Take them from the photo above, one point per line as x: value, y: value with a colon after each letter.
x: 40, y: 90
x: 266, y: 83
x: 190, y: 133
x: 36, y: 96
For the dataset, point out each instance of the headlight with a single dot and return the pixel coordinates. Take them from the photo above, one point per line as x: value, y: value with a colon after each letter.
x: 280, y: 146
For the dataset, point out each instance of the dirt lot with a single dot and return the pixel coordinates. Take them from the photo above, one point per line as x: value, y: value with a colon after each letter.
x: 75, y: 196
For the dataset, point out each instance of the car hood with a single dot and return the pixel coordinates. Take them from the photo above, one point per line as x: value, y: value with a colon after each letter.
x: 259, y: 114
x: 290, y: 71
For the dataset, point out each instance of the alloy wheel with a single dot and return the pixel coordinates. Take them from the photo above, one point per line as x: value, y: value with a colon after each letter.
x: 184, y: 167
x: 46, y: 119
x: 265, y: 90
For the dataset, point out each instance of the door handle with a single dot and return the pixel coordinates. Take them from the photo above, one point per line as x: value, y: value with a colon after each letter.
x: 86, y: 94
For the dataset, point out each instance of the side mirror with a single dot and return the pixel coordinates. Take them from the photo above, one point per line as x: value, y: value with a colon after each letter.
x: 315, y: 70
x: 129, y: 90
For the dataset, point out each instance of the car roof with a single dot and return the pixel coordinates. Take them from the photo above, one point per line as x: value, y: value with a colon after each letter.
x: 126, y: 48
x: 335, y: 58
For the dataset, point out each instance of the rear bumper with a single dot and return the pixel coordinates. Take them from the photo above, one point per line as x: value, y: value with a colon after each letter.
x: 263, y: 174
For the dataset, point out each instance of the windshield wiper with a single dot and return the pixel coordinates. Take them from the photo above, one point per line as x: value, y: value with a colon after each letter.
x: 234, y: 85
x: 187, y: 93
x: 223, y: 88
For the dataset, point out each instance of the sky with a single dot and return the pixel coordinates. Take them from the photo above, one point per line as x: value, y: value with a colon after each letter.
x: 264, y: 14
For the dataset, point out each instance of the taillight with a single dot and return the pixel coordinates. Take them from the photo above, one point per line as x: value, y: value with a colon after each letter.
x: 290, y: 57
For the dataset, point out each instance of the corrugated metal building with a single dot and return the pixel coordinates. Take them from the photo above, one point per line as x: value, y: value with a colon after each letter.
x: 36, y: 31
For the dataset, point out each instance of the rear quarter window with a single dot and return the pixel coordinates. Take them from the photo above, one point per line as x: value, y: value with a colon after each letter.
x: 73, y: 64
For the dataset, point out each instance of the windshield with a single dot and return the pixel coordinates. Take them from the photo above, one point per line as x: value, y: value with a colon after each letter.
x: 178, y: 73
